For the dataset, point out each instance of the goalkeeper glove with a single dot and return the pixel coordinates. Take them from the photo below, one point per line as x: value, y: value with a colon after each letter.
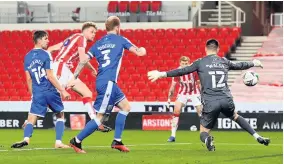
x: 155, y: 75
x: 257, y: 63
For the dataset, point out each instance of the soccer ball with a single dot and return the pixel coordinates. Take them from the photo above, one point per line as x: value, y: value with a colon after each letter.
x: 250, y: 78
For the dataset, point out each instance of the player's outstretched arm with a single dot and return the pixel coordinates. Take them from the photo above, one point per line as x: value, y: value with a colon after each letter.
x: 55, y: 47
x: 29, y: 82
x: 155, y: 75
x: 56, y: 84
x: 244, y: 65
x: 138, y: 51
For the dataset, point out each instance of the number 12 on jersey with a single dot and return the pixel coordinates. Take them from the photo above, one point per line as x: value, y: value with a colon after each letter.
x: 220, y: 82
x: 39, y: 73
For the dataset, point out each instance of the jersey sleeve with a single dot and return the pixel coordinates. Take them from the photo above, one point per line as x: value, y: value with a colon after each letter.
x: 239, y: 65
x: 183, y: 71
x: 91, y: 53
x: 48, y: 61
x: 82, y: 42
x: 126, y: 43
x: 25, y: 65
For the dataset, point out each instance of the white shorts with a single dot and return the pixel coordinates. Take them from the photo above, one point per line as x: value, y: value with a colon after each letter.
x: 195, y: 99
x: 63, y: 73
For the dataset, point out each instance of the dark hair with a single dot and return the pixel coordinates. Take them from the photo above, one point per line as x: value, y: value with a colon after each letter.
x: 89, y: 24
x: 111, y: 23
x: 39, y: 35
x: 212, y: 44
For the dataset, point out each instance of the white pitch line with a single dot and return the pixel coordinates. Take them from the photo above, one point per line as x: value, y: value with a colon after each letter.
x: 165, y: 144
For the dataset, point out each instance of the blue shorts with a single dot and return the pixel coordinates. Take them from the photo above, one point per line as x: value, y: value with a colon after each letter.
x: 41, y: 101
x: 109, y: 95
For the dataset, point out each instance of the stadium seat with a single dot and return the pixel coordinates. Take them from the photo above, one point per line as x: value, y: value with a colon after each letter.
x: 156, y: 6
x: 134, y: 6
x: 112, y: 7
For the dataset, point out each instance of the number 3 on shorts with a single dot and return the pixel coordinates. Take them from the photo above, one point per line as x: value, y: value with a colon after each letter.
x: 106, y: 58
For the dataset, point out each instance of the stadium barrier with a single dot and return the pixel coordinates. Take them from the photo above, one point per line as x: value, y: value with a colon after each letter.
x: 148, y: 121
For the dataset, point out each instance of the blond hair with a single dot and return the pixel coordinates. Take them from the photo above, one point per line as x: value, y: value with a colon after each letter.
x: 184, y: 58
x: 89, y: 24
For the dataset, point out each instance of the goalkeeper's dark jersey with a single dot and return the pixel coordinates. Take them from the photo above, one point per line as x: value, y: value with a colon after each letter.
x: 213, y: 74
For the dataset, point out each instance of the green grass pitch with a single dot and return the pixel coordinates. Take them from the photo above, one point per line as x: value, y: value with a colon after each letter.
x: 145, y: 147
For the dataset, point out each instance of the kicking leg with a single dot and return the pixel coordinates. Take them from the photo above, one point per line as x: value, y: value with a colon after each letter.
x: 246, y: 126
x: 28, y: 131
x: 87, y: 95
x: 85, y: 92
x: 175, y: 120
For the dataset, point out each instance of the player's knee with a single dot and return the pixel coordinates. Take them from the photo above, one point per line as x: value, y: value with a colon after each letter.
x: 60, y: 115
x: 127, y: 108
x: 88, y: 94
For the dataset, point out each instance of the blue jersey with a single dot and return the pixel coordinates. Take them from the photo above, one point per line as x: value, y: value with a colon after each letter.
x: 109, y: 52
x: 36, y: 62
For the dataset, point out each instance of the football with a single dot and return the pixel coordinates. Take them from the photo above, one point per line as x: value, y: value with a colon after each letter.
x: 250, y: 78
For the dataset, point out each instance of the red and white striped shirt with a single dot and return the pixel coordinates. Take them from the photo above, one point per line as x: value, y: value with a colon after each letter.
x: 69, y: 52
x: 187, y: 84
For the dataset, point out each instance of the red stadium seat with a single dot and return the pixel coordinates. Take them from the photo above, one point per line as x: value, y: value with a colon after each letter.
x: 144, y: 6
x: 123, y: 6
x: 112, y: 7
x: 156, y: 6
x: 134, y: 6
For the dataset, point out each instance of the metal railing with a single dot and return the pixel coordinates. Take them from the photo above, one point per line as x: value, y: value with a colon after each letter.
x: 238, y: 16
x: 276, y: 19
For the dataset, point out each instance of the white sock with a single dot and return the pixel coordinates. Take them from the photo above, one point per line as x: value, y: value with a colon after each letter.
x: 255, y: 135
x: 58, y: 142
x: 119, y: 140
x: 26, y: 139
x: 77, y: 140
x: 174, y: 125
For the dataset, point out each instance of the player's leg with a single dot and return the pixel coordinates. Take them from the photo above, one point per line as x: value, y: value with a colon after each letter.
x: 196, y: 101
x: 208, y: 118
x: 55, y: 104
x: 229, y: 111
x: 65, y: 75
x: 104, y: 91
x: 179, y: 103
x: 87, y: 95
x: 38, y: 109
x: 123, y: 104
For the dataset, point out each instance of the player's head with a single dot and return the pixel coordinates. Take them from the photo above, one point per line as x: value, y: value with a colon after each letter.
x: 113, y: 25
x: 40, y: 39
x: 212, y: 47
x: 89, y: 30
x: 184, y: 61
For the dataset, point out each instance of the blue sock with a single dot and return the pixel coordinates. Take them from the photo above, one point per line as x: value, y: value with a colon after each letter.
x: 91, y: 126
x: 59, y: 129
x: 119, y: 124
x: 28, y: 130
